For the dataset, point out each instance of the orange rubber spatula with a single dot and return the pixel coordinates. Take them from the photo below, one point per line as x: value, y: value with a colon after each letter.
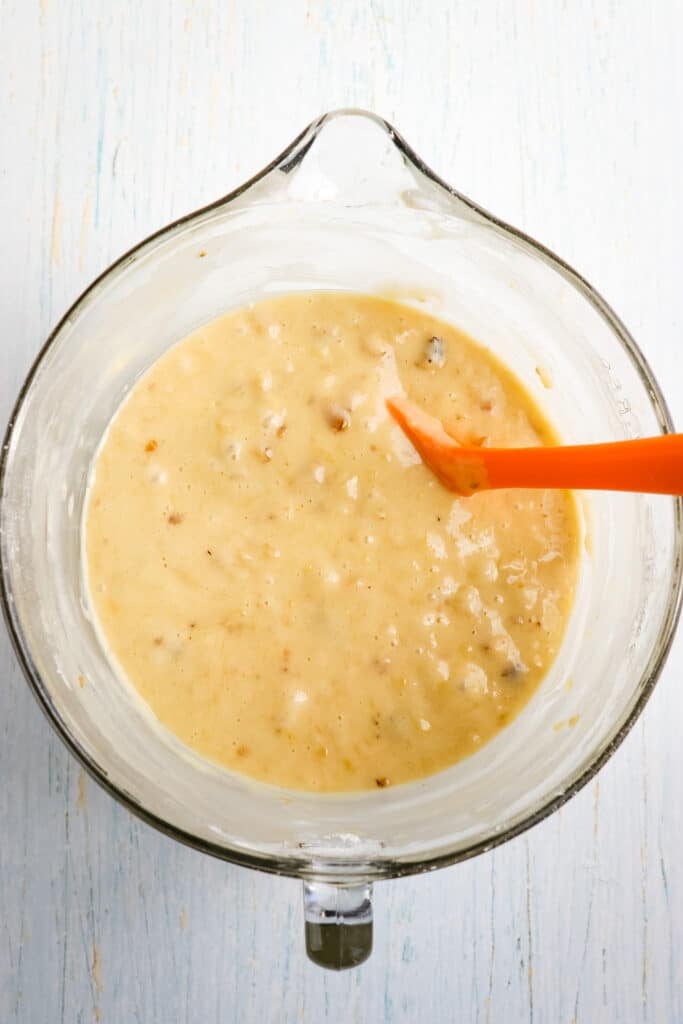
x: 652, y: 465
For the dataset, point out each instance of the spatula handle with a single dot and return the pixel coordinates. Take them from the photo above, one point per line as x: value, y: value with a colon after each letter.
x: 651, y: 464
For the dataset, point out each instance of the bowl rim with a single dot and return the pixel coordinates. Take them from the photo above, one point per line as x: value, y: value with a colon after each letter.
x: 371, y: 869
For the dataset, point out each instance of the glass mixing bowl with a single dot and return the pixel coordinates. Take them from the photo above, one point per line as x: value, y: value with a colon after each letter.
x: 347, y: 206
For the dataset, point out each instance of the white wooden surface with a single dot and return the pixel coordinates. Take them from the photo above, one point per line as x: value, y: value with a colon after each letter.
x: 565, y: 118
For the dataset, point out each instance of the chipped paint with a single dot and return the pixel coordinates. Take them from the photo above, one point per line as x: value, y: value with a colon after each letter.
x: 83, y: 237
x: 82, y: 802
x: 56, y: 243
x: 96, y: 970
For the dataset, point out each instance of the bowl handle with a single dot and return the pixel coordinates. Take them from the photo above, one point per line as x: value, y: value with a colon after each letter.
x: 338, y: 923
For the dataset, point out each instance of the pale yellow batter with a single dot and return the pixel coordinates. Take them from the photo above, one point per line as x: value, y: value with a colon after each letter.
x: 282, y: 580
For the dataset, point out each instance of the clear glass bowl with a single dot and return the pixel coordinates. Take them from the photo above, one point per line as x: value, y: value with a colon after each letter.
x: 347, y: 206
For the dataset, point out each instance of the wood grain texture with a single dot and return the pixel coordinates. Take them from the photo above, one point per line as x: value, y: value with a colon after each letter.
x: 562, y: 118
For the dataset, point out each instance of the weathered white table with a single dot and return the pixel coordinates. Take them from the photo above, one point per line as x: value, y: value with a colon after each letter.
x: 116, y: 116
